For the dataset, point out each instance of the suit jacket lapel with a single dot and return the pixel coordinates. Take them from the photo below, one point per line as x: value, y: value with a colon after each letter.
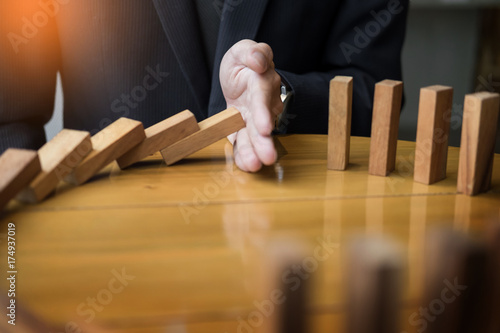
x: 240, y: 20
x: 180, y: 23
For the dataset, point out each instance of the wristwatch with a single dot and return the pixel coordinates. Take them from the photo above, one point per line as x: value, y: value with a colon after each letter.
x: 281, y: 122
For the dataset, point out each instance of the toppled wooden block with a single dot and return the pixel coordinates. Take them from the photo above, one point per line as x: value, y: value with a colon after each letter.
x: 385, y: 125
x: 58, y: 158
x: 477, y: 147
x: 18, y: 167
x: 160, y: 136
x: 108, y: 145
x: 211, y: 130
x: 433, y: 131
x: 339, y: 123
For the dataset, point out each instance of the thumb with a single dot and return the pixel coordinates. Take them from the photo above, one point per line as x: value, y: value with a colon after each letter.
x: 256, y: 56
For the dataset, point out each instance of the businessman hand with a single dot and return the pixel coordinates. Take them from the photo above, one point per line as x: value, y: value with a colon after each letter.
x: 250, y: 84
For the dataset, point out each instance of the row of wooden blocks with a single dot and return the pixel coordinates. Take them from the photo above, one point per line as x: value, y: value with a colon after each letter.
x: 75, y: 156
x: 479, y: 127
x: 459, y: 290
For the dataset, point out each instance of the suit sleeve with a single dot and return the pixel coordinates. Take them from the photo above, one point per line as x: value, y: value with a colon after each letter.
x: 29, y: 56
x: 365, y: 42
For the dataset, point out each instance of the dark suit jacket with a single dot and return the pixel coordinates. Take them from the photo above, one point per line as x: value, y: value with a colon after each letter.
x: 144, y: 59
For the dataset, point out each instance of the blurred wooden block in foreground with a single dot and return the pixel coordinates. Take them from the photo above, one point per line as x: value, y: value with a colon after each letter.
x: 373, y: 286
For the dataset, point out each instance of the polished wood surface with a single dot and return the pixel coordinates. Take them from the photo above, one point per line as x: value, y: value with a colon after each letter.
x: 192, y: 236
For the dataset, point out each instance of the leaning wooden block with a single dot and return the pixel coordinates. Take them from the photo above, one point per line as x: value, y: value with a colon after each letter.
x: 58, y: 158
x: 433, y: 130
x: 374, y: 286
x: 477, y: 147
x: 108, y: 145
x: 160, y: 136
x: 385, y: 125
x: 18, y: 167
x: 339, y: 123
x: 211, y: 130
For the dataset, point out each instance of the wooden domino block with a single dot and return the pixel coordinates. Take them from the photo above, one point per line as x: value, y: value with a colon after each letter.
x: 455, y: 297
x: 374, y: 286
x: 385, y: 125
x: 433, y: 131
x: 477, y: 147
x: 58, y: 158
x: 18, y: 167
x: 211, y: 130
x: 160, y: 136
x: 493, y: 244
x: 339, y: 123
x: 285, y: 306
x: 108, y: 145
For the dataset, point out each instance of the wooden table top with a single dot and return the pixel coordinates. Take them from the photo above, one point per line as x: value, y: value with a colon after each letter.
x: 186, y: 239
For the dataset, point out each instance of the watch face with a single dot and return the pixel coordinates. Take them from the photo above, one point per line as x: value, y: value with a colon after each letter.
x: 283, y: 89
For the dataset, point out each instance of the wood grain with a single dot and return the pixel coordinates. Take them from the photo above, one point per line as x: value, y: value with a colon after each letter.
x: 339, y: 123
x: 108, y: 145
x: 134, y: 220
x: 18, y: 167
x: 58, y: 158
x: 433, y: 130
x: 160, y: 136
x: 211, y: 130
x: 478, y: 142
x: 385, y: 126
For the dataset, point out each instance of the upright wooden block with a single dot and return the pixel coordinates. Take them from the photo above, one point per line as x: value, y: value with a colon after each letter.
x: 374, y: 286
x: 108, y: 145
x: 18, y: 167
x: 433, y: 130
x: 385, y: 125
x: 285, y: 306
x: 455, y: 298
x: 160, y: 136
x: 58, y: 158
x: 211, y: 130
x: 478, y: 142
x: 339, y: 123
x: 493, y: 306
